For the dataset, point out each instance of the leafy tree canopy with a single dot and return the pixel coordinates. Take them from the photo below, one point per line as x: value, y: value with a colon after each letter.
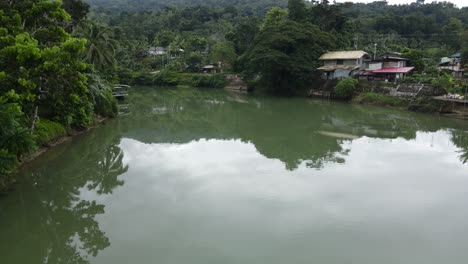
x: 285, y: 55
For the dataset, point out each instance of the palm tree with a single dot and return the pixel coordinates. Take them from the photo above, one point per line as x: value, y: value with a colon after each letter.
x: 101, y: 46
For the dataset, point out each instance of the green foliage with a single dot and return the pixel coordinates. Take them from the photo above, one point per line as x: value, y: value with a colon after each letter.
x: 380, y: 100
x: 77, y: 9
x: 46, y: 131
x: 418, y: 78
x: 464, y: 57
x: 204, y: 80
x: 141, y: 78
x: 452, y: 32
x: 244, y: 33
x: 100, y: 46
x: 224, y: 53
x: 416, y: 58
x: 345, y: 88
x: 284, y: 56
x: 162, y: 78
x: 167, y: 78
x: 172, y: 78
x: 42, y: 72
x: 194, y: 62
x: 275, y: 17
x: 101, y: 92
x: 297, y: 10
x: 15, y: 140
x: 444, y: 82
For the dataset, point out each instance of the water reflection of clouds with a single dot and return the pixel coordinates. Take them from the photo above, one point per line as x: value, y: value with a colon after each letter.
x: 220, y: 166
x: 394, y: 189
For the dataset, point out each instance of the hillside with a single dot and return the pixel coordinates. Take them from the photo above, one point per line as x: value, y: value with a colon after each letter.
x: 244, y: 6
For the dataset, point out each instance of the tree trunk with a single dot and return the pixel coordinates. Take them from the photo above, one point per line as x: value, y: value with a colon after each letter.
x: 33, y: 123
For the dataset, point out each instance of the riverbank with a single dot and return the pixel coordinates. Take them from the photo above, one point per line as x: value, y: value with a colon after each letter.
x: 410, y: 96
x: 59, y: 139
x: 428, y: 105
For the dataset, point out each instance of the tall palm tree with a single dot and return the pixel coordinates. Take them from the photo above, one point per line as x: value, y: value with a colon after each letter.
x: 101, y: 46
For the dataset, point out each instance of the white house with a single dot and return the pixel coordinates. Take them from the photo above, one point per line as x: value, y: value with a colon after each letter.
x: 157, y: 51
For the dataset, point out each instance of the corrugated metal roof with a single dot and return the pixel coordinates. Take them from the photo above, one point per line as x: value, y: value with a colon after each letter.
x: 344, y: 55
x: 338, y: 67
x: 394, y: 70
x: 395, y: 58
x: 445, y: 60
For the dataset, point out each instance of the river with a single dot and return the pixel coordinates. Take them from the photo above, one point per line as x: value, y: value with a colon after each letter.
x: 190, y: 176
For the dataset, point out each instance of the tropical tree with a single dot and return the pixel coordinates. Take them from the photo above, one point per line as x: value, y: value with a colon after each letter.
x: 77, y: 10
x: 275, y: 17
x: 297, y: 10
x: 224, y: 53
x: 15, y: 140
x: 285, y: 54
x: 101, y: 46
x: 42, y: 75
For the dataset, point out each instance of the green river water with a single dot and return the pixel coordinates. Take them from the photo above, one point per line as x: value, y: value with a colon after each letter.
x: 206, y: 177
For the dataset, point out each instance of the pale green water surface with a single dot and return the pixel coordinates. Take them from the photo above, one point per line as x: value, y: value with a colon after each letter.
x: 206, y: 177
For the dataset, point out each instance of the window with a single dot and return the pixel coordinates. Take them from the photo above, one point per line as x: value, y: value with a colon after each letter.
x: 339, y: 62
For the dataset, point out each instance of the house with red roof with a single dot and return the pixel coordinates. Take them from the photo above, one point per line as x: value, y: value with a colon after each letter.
x: 390, y: 67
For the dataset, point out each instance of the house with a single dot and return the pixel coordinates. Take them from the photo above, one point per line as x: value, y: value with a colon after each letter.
x: 389, y: 67
x: 178, y: 53
x: 452, y: 64
x: 154, y: 51
x: 210, y: 68
x: 342, y: 64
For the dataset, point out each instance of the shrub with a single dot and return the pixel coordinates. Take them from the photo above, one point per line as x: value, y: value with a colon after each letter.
x: 124, y: 75
x: 166, y: 78
x: 345, y: 88
x: 445, y: 82
x: 47, y: 131
x: 142, y: 78
x: 15, y: 140
x: 381, y: 100
x: 203, y: 80
x: 106, y: 105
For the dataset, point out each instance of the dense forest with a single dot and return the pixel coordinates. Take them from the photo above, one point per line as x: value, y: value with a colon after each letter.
x: 51, y: 82
x: 58, y: 60
x: 265, y: 39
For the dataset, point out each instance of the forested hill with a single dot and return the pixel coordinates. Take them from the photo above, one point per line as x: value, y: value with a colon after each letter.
x: 246, y: 7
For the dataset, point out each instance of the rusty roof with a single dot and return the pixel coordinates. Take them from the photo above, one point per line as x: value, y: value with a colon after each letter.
x: 344, y: 55
x: 338, y: 67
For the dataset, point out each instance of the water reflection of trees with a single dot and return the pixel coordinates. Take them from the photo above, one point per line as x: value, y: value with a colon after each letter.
x: 285, y: 129
x: 53, y: 223
x: 460, y: 139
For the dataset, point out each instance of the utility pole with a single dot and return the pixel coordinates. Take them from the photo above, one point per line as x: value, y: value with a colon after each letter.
x: 356, y: 41
x: 375, y: 50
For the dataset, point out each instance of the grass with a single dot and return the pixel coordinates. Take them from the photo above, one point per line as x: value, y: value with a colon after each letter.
x: 46, y: 131
x: 381, y: 100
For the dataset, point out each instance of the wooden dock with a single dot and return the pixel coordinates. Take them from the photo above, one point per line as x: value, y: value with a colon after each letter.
x: 120, y: 91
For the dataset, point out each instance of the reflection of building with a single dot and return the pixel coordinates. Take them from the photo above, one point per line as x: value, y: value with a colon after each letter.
x: 342, y: 64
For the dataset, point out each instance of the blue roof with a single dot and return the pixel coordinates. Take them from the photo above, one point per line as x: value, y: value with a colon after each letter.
x: 456, y: 55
